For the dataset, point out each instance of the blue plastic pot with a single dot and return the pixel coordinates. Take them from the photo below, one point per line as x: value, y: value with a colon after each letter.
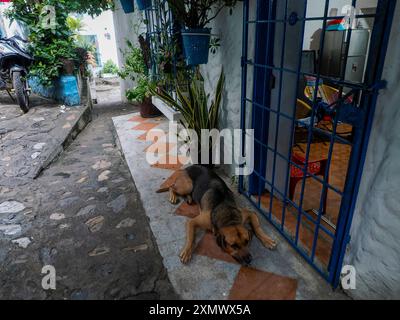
x: 143, y: 4
x: 196, y: 44
x: 127, y: 6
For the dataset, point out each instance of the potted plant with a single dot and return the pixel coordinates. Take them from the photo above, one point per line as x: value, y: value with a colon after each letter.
x: 135, y: 68
x: 143, y: 4
x: 141, y: 94
x: 193, y: 17
x: 194, y: 106
x: 127, y: 6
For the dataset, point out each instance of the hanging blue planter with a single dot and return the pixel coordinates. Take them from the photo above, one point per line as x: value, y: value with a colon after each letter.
x: 143, y: 4
x: 127, y: 6
x: 196, y: 44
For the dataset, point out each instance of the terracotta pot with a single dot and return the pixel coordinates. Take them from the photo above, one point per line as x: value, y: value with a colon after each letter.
x: 148, y: 110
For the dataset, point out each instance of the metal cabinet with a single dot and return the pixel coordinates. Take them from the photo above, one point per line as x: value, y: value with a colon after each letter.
x: 336, y: 63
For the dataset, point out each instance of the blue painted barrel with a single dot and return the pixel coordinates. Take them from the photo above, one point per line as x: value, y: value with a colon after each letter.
x: 68, y: 91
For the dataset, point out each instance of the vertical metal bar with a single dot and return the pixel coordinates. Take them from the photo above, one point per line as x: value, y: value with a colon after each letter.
x: 311, y: 126
x: 331, y: 146
x: 255, y: 76
x: 267, y: 72
x: 300, y: 57
x: 278, y: 110
x: 244, y: 82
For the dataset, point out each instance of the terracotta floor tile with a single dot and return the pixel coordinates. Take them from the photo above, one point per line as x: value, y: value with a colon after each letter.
x: 208, y: 247
x: 137, y: 118
x: 161, y: 147
x: 142, y: 137
x: 169, y: 163
x: 145, y: 126
x: 253, y: 284
x: 188, y: 210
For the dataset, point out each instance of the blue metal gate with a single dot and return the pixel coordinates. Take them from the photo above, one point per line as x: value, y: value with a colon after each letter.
x: 311, y: 74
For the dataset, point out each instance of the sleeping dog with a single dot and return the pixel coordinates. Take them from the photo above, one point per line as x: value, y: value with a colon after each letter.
x: 218, y: 213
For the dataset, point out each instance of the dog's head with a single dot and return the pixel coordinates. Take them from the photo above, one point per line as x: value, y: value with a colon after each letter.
x: 235, y: 240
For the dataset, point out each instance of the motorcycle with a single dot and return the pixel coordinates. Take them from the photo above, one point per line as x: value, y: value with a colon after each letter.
x: 14, y: 65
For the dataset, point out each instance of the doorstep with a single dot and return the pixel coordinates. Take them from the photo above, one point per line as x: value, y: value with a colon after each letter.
x: 211, y: 274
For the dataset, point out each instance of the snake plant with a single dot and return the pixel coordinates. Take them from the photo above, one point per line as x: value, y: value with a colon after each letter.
x: 194, y: 104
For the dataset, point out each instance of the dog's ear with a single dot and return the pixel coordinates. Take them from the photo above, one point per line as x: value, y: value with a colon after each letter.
x: 221, y: 240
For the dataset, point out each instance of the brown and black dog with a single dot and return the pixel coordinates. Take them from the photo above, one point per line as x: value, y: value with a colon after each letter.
x: 218, y: 213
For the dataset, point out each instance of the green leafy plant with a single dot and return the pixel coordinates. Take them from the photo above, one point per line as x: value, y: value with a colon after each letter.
x: 52, y: 47
x: 135, y: 69
x: 194, y: 104
x: 197, y: 14
x: 110, y: 67
x: 144, y: 89
x: 134, y: 63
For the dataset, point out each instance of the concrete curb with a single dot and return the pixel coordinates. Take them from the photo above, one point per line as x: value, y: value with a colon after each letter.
x: 66, y: 137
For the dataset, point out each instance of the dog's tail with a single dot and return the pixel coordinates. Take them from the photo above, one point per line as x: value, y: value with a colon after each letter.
x: 161, y: 190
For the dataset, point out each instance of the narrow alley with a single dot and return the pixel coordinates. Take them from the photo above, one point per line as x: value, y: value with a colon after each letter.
x: 82, y: 215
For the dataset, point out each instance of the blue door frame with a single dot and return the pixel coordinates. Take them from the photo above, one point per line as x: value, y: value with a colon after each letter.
x: 263, y: 78
x: 359, y: 114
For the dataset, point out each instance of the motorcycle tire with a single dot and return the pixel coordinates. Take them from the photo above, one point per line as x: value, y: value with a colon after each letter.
x: 20, y: 91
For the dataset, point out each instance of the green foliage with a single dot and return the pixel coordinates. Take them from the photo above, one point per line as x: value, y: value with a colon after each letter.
x: 193, y: 104
x: 51, y: 46
x: 110, y: 67
x: 143, y: 90
x: 197, y: 14
x: 134, y: 63
x: 135, y: 69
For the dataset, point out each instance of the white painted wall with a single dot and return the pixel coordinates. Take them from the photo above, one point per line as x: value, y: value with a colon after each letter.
x: 100, y: 26
x: 126, y: 28
x: 374, y: 249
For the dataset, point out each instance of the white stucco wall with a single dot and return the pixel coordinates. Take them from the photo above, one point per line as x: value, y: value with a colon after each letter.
x: 100, y: 26
x: 125, y: 29
x: 374, y: 248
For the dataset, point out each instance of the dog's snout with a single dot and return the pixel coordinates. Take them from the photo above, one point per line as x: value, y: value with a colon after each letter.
x: 244, y: 260
x: 247, y: 259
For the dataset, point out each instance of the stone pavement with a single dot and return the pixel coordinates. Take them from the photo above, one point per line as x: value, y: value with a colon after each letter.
x: 82, y: 215
x: 211, y: 274
x: 29, y: 142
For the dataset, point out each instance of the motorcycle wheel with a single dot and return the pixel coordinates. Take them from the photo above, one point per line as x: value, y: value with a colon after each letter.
x: 20, y: 91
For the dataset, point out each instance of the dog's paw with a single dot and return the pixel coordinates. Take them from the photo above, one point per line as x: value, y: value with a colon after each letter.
x: 185, y: 255
x: 270, y: 244
x: 173, y: 199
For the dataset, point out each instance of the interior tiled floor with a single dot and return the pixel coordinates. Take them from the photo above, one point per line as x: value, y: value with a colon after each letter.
x: 306, y: 228
x: 312, y: 197
x: 337, y: 175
